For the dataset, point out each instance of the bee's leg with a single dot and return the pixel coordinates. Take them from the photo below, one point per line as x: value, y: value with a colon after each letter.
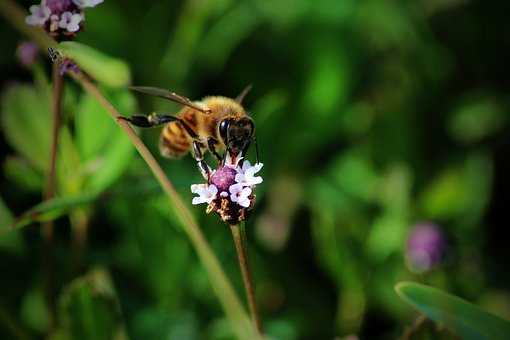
x: 151, y: 120
x: 211, y: 145
x: 199, y: 157
x: 256, y: 149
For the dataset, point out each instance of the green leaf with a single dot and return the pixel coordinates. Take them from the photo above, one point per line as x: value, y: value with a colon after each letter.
x: 20, y: 172
x: 102, y: 144
x: 52, y: 209
x: 476, y: 119
x: 10, y: 240
x: 89, y: 309
x: 35, y: 311
x: 463, y: 318
x: 26, y: 123
x: 105, y: 69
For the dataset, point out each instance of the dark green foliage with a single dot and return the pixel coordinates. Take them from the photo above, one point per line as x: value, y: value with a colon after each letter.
x: 371, y: 116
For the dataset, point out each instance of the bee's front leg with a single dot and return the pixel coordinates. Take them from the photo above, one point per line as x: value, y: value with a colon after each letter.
x: 199, y: 157
x: 211, y: 145
x: 151, y: 120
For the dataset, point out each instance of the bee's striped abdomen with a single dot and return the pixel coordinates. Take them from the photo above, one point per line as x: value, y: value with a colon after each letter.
x: 174, y: 141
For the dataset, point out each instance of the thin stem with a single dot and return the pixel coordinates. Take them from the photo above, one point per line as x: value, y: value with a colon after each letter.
x: 49, y: 191
x: 239, y: 236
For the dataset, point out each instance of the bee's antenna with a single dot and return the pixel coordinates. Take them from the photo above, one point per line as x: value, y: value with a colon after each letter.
x: 243, y: 93
x: 256, y: 149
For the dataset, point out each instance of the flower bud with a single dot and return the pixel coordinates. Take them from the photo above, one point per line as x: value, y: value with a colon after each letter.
x: 425, y: 247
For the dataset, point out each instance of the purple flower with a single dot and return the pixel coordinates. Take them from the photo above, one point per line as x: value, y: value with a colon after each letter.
x: 425, y: 247
x: 60, y: 6
x: 229, y: 191
x: 27, y: 53
x: 61, y: 18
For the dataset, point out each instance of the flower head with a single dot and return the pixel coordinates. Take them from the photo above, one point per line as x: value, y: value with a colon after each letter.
x: 425, y: 247
x: 60, y: 18
x: 232, y: 197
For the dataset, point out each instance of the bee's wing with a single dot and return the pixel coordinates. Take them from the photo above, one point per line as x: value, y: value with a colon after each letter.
x: 170, y: 96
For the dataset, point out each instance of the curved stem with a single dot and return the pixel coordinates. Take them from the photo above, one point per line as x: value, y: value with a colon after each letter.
x: 239, y: 236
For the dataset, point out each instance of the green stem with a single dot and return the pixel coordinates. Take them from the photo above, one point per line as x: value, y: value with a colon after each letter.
x: 49, y: 191
x: 241, y: 244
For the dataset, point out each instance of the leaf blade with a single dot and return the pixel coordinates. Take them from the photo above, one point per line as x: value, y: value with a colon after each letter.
x: 464, y: 318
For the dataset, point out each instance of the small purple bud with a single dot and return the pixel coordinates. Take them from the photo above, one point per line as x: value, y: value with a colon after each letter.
x: 425, y: 247
x: 60, y: 6
x: 223, y: 178
x: 27, y: 53
x: 68, y: 66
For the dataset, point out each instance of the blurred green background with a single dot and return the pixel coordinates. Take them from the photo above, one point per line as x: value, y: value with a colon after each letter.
x: 371, y: 117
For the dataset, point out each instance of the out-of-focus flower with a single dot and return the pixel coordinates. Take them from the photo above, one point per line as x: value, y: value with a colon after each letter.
x: 68, y: 65
x: 87, y: 3
x: 27, y: 53
x: 425, y: 247
x: 235, y: 186
x: 70, y: 21
x: 60, y: 18
x: 40, y: 14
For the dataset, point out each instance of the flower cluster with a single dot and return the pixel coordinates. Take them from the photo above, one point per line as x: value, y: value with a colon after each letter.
x: 229, y: 191
x: 60, y: 18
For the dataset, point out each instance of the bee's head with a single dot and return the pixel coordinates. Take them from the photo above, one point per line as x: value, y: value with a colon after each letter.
x: 237, y: 134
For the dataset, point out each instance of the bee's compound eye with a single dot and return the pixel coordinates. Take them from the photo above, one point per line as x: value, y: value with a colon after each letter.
x: 223, y: 129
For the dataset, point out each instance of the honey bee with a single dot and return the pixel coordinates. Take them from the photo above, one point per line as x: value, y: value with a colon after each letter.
x: 214, y: 124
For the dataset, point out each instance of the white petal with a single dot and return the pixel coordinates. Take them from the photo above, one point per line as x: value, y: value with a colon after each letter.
x: 74, y: 24
x: 212, y: 190
x: 244, y: 202
x: 240, y: 178
x: 197, y: 188
x: 258, y: 166
x: 197, y: 200
x: 255, y: 180
x: 245, y: 192
x: 246, y: 165
x: 87, y: 3
x: 235, y: 188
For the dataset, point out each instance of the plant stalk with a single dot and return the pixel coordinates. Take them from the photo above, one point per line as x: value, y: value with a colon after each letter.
x: 241, y: 245
x: 49, y: 191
